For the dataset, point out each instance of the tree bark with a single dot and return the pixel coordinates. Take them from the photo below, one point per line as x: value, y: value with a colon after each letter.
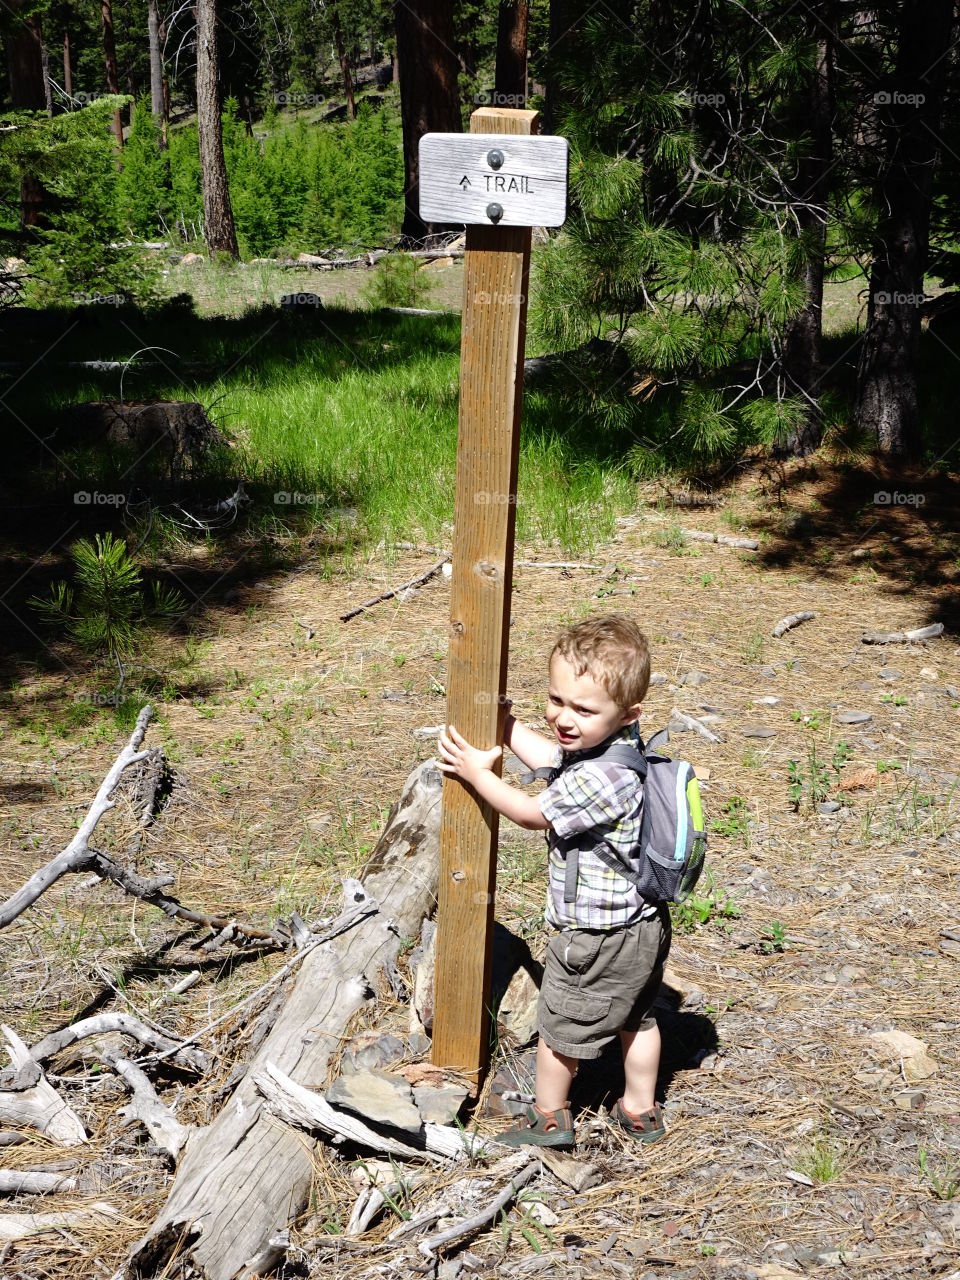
x: 244, y: 1177
x: 221, y: 235
x: 156, y: 61
x: 67, y: 69
x: 429, y: 98
x: 47, y: 86
x: 510, y: 84
x: 344, y: 64
x: 25, y: 68
x: 887, y: 395
x: 110, y: 62
x: 803, y: 338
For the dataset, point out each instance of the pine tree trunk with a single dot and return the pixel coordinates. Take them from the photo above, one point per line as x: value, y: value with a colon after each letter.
x: 887, y: 395
x: 47, y: 86
x: 110, y: 62
x: 25, y: 69
x: 510, y: 86
x: 219, y: 230
x: 344, y: 64
x: 156, y: 61
x: 67, y: 69
x: 429, y: 98
x: 803, y: 339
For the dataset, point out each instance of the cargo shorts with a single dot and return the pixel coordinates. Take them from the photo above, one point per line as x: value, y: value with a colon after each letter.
x: 599, y: 982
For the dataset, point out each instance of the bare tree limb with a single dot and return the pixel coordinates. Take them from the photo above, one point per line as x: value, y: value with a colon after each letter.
x: 462, y: 1229
x: 395, y: 591
x: 15, y: 1182
x: 903, y: 637
x: 160, y: 1122
x: 104, y: 1024
x: 790, y: 621
x: 20, y: 1226
x: 41, y: 1107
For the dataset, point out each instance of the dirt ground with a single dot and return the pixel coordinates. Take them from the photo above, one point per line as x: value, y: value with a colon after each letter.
x: 803, y: 1136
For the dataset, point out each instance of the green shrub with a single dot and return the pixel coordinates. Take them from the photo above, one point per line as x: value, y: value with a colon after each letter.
x: 397, y: 281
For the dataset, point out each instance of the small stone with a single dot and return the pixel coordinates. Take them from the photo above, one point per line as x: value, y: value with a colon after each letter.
x: 854, y: 717
x: 912, y: 1054
x: 439, y: 1106
x: 828, y: 806
x: 447, y: 570
x: 888, y: 673
x: 768, y: 673
x: 192, y: 260
x: 928, y: 673
x: 909, y: 1099
x: 452, y: 1267
x: 418, y: 1044
x: 757, y: 731
x: 760, y: 880
x: 952, y: 692
x: 378, y: 1098
x: 694, y: 679
x: 657, y: 678
x: 766, y: 1003
x: 767, y: 701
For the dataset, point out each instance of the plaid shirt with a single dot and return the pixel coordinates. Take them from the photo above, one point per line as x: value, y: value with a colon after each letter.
x: 600, y: 799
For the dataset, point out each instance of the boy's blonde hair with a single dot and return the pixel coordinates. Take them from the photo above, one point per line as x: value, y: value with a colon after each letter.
x: 613, y: 650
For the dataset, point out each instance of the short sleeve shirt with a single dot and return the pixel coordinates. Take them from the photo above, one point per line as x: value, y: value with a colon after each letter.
x: 602, y: 799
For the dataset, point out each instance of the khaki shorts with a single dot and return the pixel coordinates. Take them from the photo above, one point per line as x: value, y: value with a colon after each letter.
x: 598, y: 982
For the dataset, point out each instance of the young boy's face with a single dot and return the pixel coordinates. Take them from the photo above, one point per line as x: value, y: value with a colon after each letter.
x: 579, y: 710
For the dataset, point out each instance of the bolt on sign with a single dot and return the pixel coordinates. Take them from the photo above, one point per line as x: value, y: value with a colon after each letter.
x: 491, y: 179
x: 501, y: 180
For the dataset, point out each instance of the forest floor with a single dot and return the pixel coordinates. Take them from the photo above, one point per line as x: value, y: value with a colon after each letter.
x: 802, y: 1138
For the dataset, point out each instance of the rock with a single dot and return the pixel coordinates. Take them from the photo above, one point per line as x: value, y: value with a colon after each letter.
x: 517, y: 1011
x: 450, y: 1269
x: 828, y: 806
x: 657, y: 678
x: 378, y: 1098
x: 766, y: 1003
x: 952, y: 692
x: 543, y: 1213
x: 888, y: 673
x: 517, y: 1075
x: 760, y: 880
x: 313, y: 260
x: 824, y: 1256
x: 694, y: 679
x: 768, y: 673
x: 372, y: 1051
x: 909, y: 1099
x: 767, y: 701
x: 854, y: 717
x: 192, y: 260
x: 913, y: 1053
x: 439, y: 1105
x: 928, y: 673
x: 418, y: 1044
x: 757, y: 731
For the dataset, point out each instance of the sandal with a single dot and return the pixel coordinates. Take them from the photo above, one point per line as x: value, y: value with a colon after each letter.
x: 648, y: 1126
x: 540, y: 1129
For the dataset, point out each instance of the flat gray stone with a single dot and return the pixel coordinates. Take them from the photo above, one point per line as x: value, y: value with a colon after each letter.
x: 952, y: 692
x: 439, y: 1105
x: 888, y: 673
x: 694, y: 679
x: 378, y: 1098
x: 657, y: 677
x: 381, y: 1052
x: 854, y: 717
x: 768, y: 700
x: 757, y: 731
x: 828, y: 806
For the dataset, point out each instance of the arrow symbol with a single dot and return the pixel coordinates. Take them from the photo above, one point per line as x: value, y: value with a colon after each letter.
x: 464, y: 182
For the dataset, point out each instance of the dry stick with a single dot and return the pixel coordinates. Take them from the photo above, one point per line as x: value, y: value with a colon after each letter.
x: 555, y: 564
x: 460, y: 1229
x: 104, y: 1023
x: 21, y: 1226
x: 76, y: 855
x: 160, y: 1122
x: 15, y: 1182
x: 903, y: 637
x: 395, y: 591
x: 40, y: 1107
x: 790, y: 621
x: 691, y: 722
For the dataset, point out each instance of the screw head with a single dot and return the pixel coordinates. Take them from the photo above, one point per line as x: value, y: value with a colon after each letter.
x: 494, y: 212
x: 495, y: 158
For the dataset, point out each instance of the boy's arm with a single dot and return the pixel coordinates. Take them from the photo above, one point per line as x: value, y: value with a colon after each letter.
x: 536, y: 751
x: 458, y: 757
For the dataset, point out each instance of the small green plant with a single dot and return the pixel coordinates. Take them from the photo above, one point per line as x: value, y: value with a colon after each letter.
x: 945, y: 1182
x: 753, y: 648
x: 397, y: 281
x: 734, y: 821
x: 795, y: 784
x: 777, y: 939
x: 699, y: 909
x: 841, y: 754
x: 824, y: 1160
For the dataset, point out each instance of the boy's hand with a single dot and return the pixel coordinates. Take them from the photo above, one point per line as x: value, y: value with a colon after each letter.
x: 458, y: 757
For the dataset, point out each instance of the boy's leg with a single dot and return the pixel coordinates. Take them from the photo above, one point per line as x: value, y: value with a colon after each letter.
x: 555, y: 1072
x: 641, y: 1061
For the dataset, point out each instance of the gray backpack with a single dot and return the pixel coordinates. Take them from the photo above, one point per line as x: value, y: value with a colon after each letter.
x: 673, y: 839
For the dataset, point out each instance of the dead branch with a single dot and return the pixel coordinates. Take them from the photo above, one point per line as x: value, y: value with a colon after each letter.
x: 395, y: 591
x: 903, y: 637
x: 462, y: 1229
x: 157, y: 1118
x: 20, y: 1226
x: 790, y: 621
x: 76, y: 856
x: 308, y: 1109
x: 39, y: 1107
x: 696, y: 726
x: 578, y: 1174
x: 15, y: 1182
x: 105, y: 1023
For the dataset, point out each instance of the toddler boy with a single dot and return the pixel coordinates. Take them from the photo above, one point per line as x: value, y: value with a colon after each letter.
x: 605, y: 962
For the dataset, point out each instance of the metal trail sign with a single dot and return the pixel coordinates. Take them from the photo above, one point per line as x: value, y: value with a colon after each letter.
x: 454, y: 187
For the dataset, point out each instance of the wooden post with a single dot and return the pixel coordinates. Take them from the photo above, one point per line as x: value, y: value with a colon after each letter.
x: 495, y: 282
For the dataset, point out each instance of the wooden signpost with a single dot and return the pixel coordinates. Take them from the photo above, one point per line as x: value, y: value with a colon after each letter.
x: 501, y: 180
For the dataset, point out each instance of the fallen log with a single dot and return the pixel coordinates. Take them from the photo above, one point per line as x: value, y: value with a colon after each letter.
x: 903, y: 637
x: 21, y: 1226
x: 39, y: 1107
x: 242, y: 1179
x: 790, y: 621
